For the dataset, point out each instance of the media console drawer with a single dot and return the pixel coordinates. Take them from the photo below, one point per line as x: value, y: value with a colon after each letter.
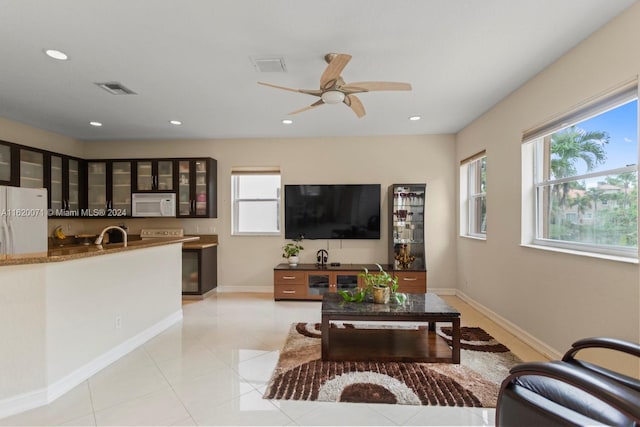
x: 413, y: 282
x: 289, y: 284
x: 288, y: 277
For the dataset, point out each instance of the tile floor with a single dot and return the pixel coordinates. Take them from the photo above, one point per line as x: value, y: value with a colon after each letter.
x: 212, y: 369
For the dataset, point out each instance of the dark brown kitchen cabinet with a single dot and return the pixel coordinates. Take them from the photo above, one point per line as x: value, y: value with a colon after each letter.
x: 154, y: 175
x: 109, y: 185
x: 61, y: 175
x: 196, y: 188
x: 199, y: 270
x: 64, y: 181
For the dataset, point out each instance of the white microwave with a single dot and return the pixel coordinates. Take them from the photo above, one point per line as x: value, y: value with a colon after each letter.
x: 153, y: 204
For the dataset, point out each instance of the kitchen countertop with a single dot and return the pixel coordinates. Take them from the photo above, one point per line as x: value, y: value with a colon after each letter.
x: 72, y: 252
x: 204, y: 241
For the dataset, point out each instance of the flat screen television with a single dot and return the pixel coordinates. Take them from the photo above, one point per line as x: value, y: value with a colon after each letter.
x: 348, y: 211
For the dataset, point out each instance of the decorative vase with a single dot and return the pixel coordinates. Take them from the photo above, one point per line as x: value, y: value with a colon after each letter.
x: 293, y: 260
x: 381, y: 295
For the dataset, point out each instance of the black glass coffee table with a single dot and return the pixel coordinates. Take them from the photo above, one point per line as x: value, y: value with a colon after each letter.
x: 381, y: 334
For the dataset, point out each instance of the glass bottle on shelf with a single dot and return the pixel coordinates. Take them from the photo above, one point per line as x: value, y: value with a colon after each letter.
x: 31, y: 169
x: 407, y: 249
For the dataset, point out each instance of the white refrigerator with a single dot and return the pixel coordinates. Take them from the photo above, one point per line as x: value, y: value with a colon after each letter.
x: 23, y: 222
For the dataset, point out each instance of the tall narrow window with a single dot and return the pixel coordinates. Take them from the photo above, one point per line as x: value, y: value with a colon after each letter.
x: 255, y: 201
x: 473, y: 194
x: 585, y: 177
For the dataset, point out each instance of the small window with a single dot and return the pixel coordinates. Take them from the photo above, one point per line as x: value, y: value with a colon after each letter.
x: 255, y: 201
x: 584, y: 190
x: 473, y: 195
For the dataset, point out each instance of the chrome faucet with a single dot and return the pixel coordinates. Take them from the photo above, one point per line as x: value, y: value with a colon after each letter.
x: 112, y: 227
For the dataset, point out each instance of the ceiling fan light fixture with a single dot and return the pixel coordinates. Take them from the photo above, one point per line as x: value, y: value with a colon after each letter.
x: 287, y: 121
x: 332, y: 97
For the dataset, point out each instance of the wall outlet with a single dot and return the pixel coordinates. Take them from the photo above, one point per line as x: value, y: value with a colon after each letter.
x: 197, y: 228
x: 118, y: 322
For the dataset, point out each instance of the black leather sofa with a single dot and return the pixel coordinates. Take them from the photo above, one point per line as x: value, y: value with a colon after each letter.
x: 571, y: 392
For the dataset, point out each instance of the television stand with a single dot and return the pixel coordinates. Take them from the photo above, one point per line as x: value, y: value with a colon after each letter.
x: 312, y: 281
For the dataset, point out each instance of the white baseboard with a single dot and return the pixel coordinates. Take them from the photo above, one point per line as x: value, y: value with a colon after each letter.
x: 442, y: 291
x: 258, y: 289
x: 46, y: 395
x: 520, y: 333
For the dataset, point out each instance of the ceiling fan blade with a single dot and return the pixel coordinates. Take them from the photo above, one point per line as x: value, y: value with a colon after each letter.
x: 374, y: 86
x: 314, y: 105
x: 315, y: 92
x: 355, y: 104
x: 333, y: 70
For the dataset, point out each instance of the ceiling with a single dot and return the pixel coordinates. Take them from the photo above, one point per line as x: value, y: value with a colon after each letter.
x: 192, y: 60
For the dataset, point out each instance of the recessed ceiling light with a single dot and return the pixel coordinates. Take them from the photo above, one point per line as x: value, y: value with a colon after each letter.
x: 96, y: 124
x: 287, y: 121
x: 414, y: 118
x: 56, y: 54
x: 175, y: 122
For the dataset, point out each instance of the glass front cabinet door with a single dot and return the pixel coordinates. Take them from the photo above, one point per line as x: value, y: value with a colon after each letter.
x: 56, y: 197
x: 406, y: 236
x: 5, y: 163
x: 73, y: 184
x: 321, y: 283
x: 120, y: 188
x: 154, y: 175
x: 63, y: 183
x: 197, y: 188
x: 96, y: 186
x: 31, y: 168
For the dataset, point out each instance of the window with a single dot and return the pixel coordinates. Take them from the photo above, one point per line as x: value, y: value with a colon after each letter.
x: 255, y: 201
x: 473, y: 194
x: 585, y: 177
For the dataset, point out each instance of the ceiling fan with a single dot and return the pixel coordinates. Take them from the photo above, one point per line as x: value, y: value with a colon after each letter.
x: 333, y: 89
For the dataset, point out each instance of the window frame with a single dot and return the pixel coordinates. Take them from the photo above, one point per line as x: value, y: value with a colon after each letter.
x: 471, y: 192
x: 236, y: 201
x: 539, y: 141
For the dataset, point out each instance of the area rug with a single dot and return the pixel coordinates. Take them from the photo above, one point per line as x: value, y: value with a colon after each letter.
x: 301, y: 374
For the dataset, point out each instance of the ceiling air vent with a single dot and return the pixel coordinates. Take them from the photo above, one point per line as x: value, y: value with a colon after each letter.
x: 269, y: 65
x: 116, y: 88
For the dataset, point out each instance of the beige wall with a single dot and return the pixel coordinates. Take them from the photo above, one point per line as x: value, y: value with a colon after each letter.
x: 557, y: 298
x: 26, y: 135
x: 247, y: 262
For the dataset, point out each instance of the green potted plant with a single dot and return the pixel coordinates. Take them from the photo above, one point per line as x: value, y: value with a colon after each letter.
x: 381, y: 285
x: 291, y: 252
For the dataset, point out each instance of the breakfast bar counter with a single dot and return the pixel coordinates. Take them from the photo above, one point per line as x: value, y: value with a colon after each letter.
x: 71, y: 312
x: 73, y: 252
